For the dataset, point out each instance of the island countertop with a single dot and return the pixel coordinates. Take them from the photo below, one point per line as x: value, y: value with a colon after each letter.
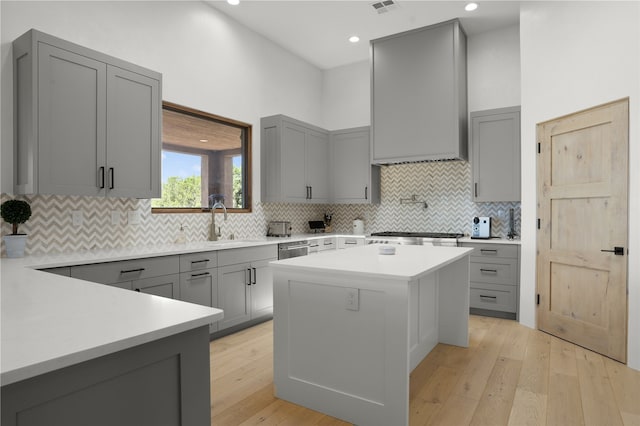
x: 50, y: 322
x: 409, y: 262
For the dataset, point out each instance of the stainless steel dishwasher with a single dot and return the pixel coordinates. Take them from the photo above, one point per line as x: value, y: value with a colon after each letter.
x: 293, y: 249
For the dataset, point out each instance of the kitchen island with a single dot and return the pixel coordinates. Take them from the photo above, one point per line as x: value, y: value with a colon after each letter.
x: 80, y: 353
x: 350, y: 327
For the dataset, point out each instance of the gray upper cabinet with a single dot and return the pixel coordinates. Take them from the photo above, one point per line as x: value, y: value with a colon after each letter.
x: 85, y: 123
x: 495, y: 148
x: 419, y: 95
x: 354, y: 179
x: 295, y: 161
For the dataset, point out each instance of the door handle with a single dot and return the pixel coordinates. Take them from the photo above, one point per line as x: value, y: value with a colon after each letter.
x: 101, y: 177
x: 618, y: 251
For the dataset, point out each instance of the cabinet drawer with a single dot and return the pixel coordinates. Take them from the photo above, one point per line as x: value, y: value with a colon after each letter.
x: 327, y: 244
x: 493, y: 250
x: 495, y: 271
x: 493, y: 297
x: 197, y: 261
x: 349, y: 242
x: 127, y: 270
x: 247, y: 254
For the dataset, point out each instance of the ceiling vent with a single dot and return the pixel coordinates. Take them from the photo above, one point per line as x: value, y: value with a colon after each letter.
x: 384, y: 6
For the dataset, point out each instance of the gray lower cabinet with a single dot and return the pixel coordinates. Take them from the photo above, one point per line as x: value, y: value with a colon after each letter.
x: 495, y: 153
x: 494, y: 276
x: 199, y: 280
x: 87, y: 124
x: 165, y: 286
x: 163, y: 382
x: 245, y: 284
x: 419, y: 95
x: 354, y: 179
x: 146, y: 273
x: 65, y: 271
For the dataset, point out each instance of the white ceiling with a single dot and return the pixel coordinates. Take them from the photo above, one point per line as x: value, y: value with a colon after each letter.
x: 318, y: 30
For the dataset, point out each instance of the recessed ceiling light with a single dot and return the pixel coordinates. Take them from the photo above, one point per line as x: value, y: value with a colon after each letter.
x: 354, y: 39
x: 233, y: 2
x: 204, y: 140
x: 471, y: 6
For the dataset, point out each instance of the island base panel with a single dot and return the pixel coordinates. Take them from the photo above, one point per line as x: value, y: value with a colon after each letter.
x: 163, y: 382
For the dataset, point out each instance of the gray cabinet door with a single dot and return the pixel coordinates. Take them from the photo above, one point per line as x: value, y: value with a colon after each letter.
x: 165, y: 286
x: 234, y: 294
x: 419, y: 95
x: 354, y: 179
x: 294, y: 187
x: 133, y: 126
x: 495, y: 147
x: 71, y: 123
x: 87, y: 124
x: 201, y: 287
x: 317, y: 166
x: 261, y: 289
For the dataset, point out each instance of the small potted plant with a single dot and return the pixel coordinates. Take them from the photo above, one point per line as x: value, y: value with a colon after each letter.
x: 15, y: 212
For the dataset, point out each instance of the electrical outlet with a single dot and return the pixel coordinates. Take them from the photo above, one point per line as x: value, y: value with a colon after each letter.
x: 133, y: 217
x: 76, y: 217
x: 352, y: 299
x: 115, y: 217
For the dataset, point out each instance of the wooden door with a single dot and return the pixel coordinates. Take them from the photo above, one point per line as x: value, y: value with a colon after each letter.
x: 582, y: 208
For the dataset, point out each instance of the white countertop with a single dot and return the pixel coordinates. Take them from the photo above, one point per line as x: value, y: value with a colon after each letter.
x: 489, y: 240
x: 408, y: 263
x: 50, y: 321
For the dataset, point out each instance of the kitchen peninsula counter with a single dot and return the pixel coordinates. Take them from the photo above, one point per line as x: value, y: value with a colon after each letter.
x: 76, y: 352
x: 350, y: 327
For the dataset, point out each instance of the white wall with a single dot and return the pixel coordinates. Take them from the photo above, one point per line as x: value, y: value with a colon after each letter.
x: 208, y: 61
x: 493, y: 69
x: 347, y: 96
x: 570, y: 64
x: 493, y: 73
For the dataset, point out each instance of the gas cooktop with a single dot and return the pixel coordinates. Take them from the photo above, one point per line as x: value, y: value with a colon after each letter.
x: 418, y: 234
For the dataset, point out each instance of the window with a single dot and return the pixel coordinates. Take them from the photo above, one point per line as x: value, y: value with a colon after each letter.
x: 205, y: 158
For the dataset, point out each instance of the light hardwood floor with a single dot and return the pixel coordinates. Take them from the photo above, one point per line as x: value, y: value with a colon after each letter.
x: 509, y: 375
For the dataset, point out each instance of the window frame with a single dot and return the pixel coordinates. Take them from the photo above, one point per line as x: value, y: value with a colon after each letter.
x: 247, y: 170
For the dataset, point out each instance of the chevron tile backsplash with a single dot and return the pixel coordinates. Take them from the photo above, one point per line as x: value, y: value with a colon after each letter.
x: 444, y: 186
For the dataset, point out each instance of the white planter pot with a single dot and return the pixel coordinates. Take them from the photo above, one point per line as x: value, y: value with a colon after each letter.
x: 15, y: 244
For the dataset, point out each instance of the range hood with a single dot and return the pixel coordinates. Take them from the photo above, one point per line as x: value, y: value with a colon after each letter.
x: 419, y: 95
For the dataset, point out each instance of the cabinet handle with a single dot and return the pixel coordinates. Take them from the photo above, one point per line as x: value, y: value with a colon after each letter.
x: 101, y: 177
x: 475, y: 190
x: 254, y: 276
x: 351, y: 242
x: 199, y: 275
x: 137, y: 289
x: 488, y: 297
x: 488, y: 271
x: 366, y: 192
x: 307, y: 192
x: 199, y: 261
x: 112, y: 177
x: 492, y: 251
x: 311, y: 192
x: 328, y: 243
x: 129, y: 271
x: 248, y: 282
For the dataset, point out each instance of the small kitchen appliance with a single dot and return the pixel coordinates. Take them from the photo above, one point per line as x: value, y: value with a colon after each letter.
x: 481, y: 227
x: 316, y: 226
x: 279, y: 229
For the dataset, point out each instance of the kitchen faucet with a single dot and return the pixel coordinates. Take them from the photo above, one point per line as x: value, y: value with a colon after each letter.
x: 213, y: 235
